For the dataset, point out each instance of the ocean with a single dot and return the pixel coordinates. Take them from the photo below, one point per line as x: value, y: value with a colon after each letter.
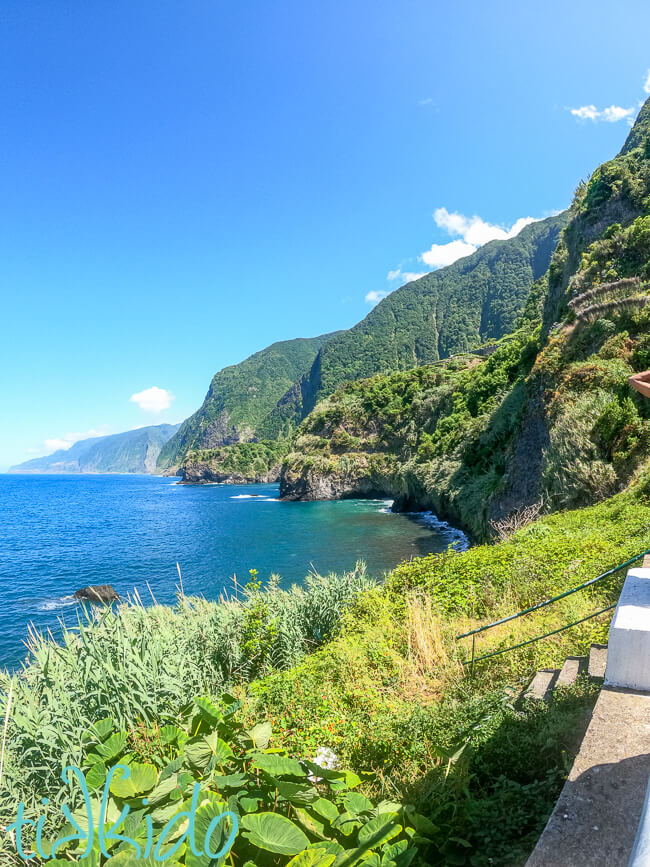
x: 61, y: 533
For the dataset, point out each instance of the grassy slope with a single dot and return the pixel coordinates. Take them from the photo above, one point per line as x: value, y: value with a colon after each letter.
x: 390, y: 693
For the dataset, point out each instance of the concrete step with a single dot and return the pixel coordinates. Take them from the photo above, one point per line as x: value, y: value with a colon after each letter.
x: 597, y: 661
x: 573, y: 666
x: 543, y: 684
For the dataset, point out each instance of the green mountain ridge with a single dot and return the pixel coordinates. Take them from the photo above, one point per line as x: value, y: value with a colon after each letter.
x: 451, y: 310
x: 134, y: 451
x: 454, y: 309
x: 548, y: 421
x: 240, y: 398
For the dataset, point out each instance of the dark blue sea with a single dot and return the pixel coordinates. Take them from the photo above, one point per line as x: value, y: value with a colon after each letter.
x: 60, y: 533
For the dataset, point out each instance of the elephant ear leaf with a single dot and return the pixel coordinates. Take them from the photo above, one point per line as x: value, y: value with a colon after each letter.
x: 96, y: 775
x: 112, y: 747
x: 199, y: 751
x: 215, y: 831
x: 278, y: 766
x: 209, y: 711
x: 142, y: 778
x: 379, y: 830
x: 312, y: 858
x: 274, y: 833
x: 260, y: 735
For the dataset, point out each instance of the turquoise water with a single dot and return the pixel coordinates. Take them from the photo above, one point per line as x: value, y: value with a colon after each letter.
x: 60, y: 533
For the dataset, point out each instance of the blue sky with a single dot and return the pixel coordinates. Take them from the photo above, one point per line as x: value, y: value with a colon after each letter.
x: 182, y: 183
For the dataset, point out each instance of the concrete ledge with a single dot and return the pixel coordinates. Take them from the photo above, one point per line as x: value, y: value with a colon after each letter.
x: 595, y: 820
x: 628, y: 655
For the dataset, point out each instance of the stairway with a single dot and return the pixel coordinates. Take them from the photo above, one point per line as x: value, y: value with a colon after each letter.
x: 546, y: 681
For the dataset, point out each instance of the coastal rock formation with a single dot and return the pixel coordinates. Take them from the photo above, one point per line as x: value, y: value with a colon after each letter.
x: 206, y: 473
x: 101, y: 594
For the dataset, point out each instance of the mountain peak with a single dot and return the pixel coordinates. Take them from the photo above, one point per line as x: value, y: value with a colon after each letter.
x: 640, y: 130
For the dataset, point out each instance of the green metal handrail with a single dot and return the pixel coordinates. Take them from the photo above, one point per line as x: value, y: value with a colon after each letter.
x: 474, y: 632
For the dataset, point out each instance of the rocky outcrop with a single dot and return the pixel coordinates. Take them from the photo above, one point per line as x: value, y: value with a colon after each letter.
x: 309, y: 483
x: 206, y: 473
x: 100, y: 594
x: 221, y: 433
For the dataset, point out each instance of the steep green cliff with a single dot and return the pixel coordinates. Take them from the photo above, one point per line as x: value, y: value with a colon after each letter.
x: 547, y: 421
x: 241, y: 396
x: 477, y: 299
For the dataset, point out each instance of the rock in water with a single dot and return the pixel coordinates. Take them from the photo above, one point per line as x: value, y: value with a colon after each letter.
x: 101, y: 594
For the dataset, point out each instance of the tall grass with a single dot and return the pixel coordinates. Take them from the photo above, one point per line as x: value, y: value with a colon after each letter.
x: 136, y: 663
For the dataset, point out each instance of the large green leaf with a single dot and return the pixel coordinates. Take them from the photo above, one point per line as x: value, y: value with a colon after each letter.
x: 260, y: 735
x: 326, y: 809
x: 169, y: 733
x: 278, y: 766
x: 347, y: 823
x: 162, y: 790
x: 310, y: 823
x: 127, y: 859
x: 312, y: 858
x: 103, y: 727
x: 112, y: 747
x: 274, y: 833
x: 356, y: 803
x: 199, y: 751
x: 297, y: 793
x: 229, y: 781
x: 96, y: 775
x: 205, y: 815
x: 209, y: 711
x: 378, y: 830
x: 142, y: 778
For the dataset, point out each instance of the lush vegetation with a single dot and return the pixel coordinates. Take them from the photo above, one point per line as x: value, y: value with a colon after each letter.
x: 138, y: 665
x: 241, y: 462
x: 241, y: 396
x: 390, y: 694
x: 447, y: 311
x: 135, y: 451
x: 249, y: 801
x: 384, y: 690
x: 451, y: 310
x: 547, y: 419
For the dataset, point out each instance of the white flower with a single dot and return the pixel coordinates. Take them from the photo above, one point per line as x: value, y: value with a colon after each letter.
x: 324, y: 758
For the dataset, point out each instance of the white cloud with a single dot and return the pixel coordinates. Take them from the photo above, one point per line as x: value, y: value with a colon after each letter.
x: 405, y: 276
x: 473, y: 231
x: 63, y: 443
x: 646, y: 86
x: 377, y: 295
x: 586, y: 112
x: 611, y: 114
x: 153, y: 399
x: 439, y: 255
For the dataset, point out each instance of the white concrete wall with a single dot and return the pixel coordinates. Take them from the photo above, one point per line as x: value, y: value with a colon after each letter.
x: 628, y: 652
